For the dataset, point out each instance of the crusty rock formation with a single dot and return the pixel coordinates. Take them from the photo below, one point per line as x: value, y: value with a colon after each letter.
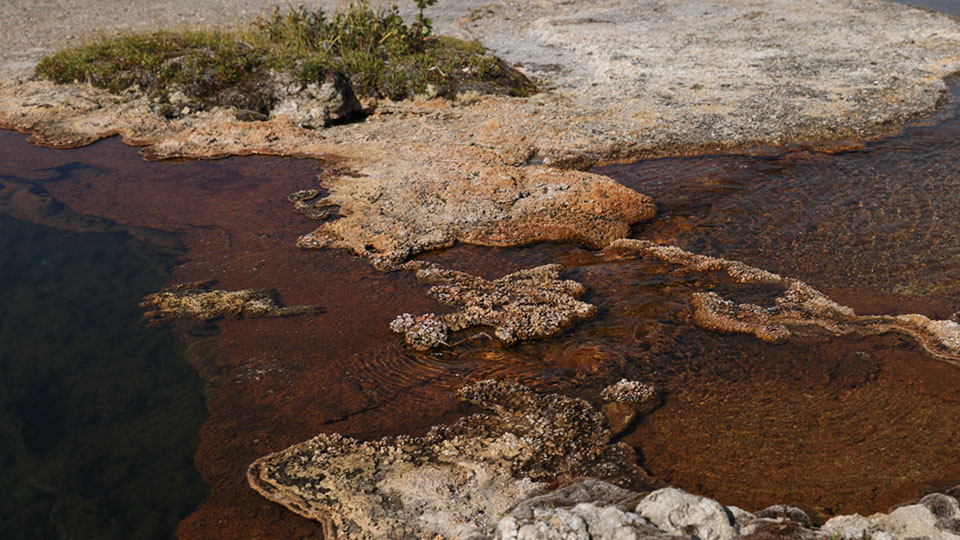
x: 527, y: 304
x: 626, y: 400
x: 403, y: 210
x: 194, y: 301
x: 799, y: 310
x: 594, y: 510
x: 314, y: 105
x: 453, y: 482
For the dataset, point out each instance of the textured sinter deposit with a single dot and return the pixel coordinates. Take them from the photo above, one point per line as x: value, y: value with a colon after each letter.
x: 194, y: 301
x: 627, y: 79
x: 528, y: 304
x: 798, y: 310
x: 624, y: 79
x: 400, y: 211
x: 453, y: 482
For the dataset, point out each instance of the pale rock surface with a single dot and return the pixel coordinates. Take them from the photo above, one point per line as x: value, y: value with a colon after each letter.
x: 453, y: 482
x: 675, y: 511
x: 936, y: 517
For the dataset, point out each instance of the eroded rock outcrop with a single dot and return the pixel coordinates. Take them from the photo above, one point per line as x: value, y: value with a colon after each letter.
x: 594, y: 510
x: 401, y: 210
x: 454, y: 481
x: 528, y: 304
x: 799, y: 310
x: 196, y: 302
x: 587, y: 510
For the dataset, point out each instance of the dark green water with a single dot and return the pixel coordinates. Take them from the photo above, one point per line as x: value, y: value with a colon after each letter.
x: 99, y: 415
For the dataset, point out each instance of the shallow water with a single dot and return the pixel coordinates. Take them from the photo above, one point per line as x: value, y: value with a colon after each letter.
x: 836, y: 425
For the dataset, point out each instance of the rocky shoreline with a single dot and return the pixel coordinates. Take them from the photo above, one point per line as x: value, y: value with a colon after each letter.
x: 496, y: 171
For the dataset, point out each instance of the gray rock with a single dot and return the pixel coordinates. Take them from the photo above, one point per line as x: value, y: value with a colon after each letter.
x: 316, y: 104
x: 675, y: 511
x: 781, y: 511
x: 588, y: 510
x: 936, y: 516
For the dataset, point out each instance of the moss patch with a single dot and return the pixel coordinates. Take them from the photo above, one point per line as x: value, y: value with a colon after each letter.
x: 382, y: 55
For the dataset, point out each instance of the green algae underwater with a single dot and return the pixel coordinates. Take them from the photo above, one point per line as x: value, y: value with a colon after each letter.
x: 100, y: 415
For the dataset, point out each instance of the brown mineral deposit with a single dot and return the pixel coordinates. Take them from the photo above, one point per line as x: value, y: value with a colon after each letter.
x: 528, y: 304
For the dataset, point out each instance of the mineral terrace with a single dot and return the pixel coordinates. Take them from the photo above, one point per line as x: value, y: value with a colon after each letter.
x: 622, y: 80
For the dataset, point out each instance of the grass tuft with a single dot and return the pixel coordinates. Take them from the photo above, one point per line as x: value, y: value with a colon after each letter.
x: 382, y: 55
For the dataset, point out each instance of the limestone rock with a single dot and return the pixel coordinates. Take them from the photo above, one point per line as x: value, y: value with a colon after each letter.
x: 453, y: 482
x: 936, y: 516
x: 678, y: 512
x: 315, y: 105
x: 528, y: 304
x: 589, y: 509
x: 194, y: 301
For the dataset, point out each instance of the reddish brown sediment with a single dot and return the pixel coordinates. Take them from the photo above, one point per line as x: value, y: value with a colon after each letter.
x: 277, y: 381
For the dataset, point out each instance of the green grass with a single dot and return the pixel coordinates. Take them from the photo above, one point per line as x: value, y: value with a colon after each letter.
x: 382, y: 55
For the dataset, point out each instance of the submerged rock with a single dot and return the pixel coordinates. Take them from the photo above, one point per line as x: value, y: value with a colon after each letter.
x: 798, y: 310
x: 453, y: 482
x: 527, y: 304
x: 193, y: 301
x: 626, y: 400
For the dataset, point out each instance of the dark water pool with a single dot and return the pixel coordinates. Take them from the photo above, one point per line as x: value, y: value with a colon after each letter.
x: 99, y: 415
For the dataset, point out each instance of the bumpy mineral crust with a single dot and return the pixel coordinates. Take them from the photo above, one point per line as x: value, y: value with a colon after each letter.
x: 194, y: 301
x: 528, y: 304
x: 400, y: 211
x: 455, y: 481
x: 799, y: 310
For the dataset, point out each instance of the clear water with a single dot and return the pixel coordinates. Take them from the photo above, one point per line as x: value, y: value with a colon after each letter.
x: 99, y: 415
